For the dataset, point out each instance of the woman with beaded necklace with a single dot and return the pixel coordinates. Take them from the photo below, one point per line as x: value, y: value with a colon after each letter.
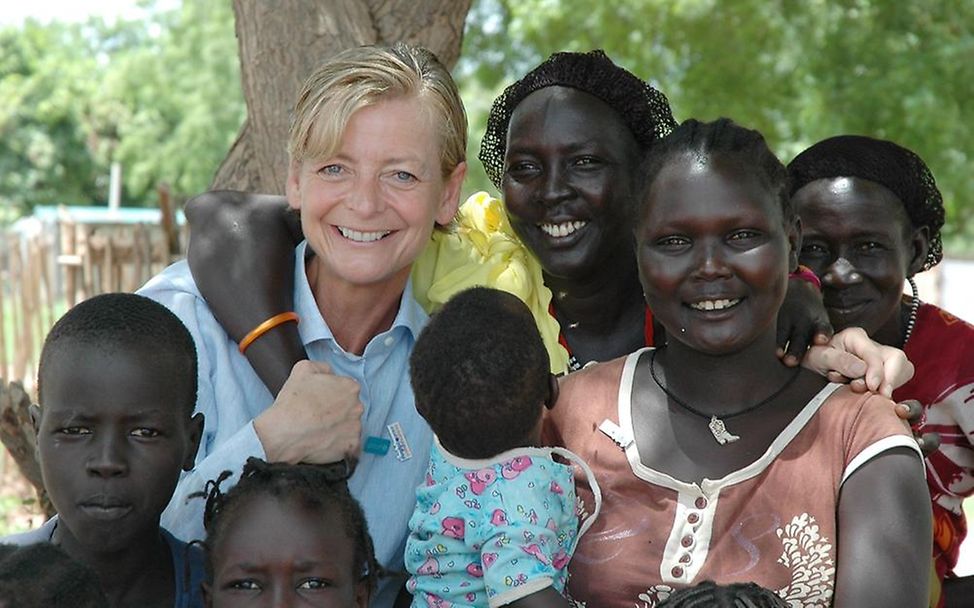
x: 715, y: 461
x: 871, y: 215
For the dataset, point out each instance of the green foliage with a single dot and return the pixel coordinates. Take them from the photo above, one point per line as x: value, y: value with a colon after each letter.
x: 798, y: 70
x: 161, y: 95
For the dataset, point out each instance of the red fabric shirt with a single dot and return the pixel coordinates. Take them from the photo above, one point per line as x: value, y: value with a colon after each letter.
x: 942, y: 350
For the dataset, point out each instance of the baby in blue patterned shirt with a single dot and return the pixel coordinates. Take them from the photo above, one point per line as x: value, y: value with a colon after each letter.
x: 496, y: 520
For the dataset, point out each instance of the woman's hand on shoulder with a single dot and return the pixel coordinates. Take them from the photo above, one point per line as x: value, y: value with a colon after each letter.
x: 852, y: 357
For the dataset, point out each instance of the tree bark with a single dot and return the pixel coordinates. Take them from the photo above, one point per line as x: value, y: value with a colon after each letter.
x: 17, y: 435
x: 282, y: 42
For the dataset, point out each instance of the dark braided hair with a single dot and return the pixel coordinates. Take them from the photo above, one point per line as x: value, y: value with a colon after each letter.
x: 725, y: 139
x: 44, y: 576
x: 480, y: 373
x: 885, y: 163
x: 709, y: 594
x: 643, y: 109
x: 318, y: 487
x: 125, y: 323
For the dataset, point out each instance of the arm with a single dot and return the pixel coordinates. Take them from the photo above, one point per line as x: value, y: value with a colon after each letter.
x: 546, y: 598
x: 870, y: 365
x: 802, y: 321
x: 241, y: 255
x: 885, y: 534
x: 321, y: 412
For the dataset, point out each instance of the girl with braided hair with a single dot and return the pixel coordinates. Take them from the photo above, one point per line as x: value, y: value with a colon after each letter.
x: 715, y: 460
x: 872, y: 214
x: 287, y: 535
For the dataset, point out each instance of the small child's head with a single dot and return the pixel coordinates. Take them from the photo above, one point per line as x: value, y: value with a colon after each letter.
x: 480, y: 374
x: 43, y: 576
x: 115, y: 425
x: 287, y: 531
x: 709, y: 594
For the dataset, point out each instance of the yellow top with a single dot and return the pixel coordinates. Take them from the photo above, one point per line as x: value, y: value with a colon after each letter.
x: 482, y: 250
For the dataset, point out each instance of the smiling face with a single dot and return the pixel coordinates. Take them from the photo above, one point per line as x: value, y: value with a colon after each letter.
x: 568, y: 181
x: 858, y: 238
x: 714, y: 254
x: 112, y: 439
x: 368, y: 210
x: 278, y: 553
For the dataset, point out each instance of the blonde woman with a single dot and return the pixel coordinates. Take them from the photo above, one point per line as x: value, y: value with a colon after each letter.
x: 377, y: 146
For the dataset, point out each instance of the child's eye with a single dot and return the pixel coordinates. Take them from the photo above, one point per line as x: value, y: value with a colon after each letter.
x: 741, y: 235
x: 672, y: 242
x: 73, y: 430
x: 145, y: 433
x: 244, y: 584
x: 314, y: 583
x: 587, y: 161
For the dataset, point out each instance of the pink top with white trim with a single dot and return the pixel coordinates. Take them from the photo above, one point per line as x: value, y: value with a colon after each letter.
x: 772, y: 522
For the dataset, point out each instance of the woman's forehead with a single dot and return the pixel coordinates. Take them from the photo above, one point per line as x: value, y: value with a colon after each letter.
x: 557, y: 108
x: 694, y: 185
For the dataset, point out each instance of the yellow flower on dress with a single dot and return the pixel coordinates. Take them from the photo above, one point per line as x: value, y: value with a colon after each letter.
x: 482, y: 250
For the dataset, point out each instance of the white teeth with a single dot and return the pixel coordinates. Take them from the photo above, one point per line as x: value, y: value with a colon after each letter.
x: 562, y: 229
x: 361, y: 237
x: 714, y: 304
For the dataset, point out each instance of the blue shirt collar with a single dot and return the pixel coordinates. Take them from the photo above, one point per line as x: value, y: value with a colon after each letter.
x: 313, y: 327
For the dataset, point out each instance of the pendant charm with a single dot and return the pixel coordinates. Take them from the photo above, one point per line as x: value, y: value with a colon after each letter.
x: 720, y: 432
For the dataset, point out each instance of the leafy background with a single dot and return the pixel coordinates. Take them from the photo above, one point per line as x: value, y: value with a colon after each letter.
x: 161, y: 93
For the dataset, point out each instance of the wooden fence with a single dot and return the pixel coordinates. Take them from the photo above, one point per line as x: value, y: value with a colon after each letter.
x: 45, y: 272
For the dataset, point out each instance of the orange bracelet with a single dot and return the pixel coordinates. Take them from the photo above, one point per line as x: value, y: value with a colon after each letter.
x: 265, y: 327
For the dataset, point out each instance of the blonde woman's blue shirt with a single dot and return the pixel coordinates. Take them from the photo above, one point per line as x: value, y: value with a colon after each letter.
x: 231, y: 395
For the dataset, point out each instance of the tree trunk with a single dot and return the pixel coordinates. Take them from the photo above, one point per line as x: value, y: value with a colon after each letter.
x: 282, y: 42
x: 17, y: 435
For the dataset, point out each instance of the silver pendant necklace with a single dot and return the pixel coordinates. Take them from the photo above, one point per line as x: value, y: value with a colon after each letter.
x: 717, y: 427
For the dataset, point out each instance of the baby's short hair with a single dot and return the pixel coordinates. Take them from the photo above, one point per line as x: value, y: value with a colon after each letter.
x: 709, y: 594
x: 126, y: 322
x: 480, y: 373
x: 43, y: 576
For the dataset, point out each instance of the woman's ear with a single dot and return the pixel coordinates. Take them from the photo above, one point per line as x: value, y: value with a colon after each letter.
x: 794, y: 230
x: 450, y: 199
x: 292, y: 187
x: 552, y: 398
x: 920, y: 239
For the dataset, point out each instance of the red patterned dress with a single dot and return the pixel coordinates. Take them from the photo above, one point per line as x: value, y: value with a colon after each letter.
x: 942, y: 349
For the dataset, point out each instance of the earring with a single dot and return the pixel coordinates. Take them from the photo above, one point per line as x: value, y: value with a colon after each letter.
x: 914, y: 309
